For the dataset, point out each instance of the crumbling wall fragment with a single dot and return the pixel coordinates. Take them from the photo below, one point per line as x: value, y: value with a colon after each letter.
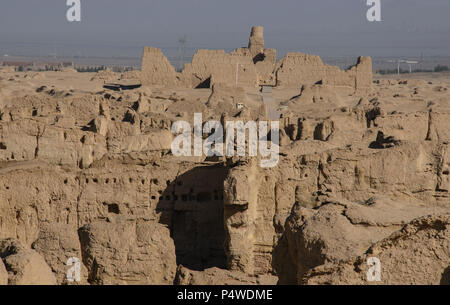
x: 240, y: 201
x: 24, y: 266
x: 128, y: 251
x: 226, y: 68
x: 297, y: 69
x: 156, y: 69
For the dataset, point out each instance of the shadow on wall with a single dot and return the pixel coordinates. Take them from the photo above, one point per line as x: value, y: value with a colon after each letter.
x: 445, y: 280
x: 206, y: 84
x: 192, y: 208
x: 258, y: 58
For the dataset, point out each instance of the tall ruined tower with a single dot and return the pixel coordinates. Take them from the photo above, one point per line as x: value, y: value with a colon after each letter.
x: 256, y: 41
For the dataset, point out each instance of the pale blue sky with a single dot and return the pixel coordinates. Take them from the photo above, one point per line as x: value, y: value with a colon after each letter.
x: 325, y: 27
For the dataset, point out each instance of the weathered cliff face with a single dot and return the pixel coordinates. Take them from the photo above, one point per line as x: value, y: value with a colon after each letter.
x: 216, y: 276
x: 90, y: 174
x: 343, y: 205
x: 127, y: 251
x: 24, y: 266
x: 240, y: 212
x: 341, y: 231
x: 417, y: 254
x: 3, y: 274
x: 73, y: 131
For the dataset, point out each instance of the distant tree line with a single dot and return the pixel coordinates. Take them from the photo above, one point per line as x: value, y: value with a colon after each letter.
x: 79, y: 69
x: 91, y: 69
x: 122, y: 69
x: 438, y: 68
x: 101, y: 68
x: 23, y: 69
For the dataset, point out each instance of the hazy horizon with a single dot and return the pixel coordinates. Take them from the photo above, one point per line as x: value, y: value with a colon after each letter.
x: 325, y: 27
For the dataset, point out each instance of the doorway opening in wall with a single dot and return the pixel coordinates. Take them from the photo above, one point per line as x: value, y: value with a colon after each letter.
x: 205, y: 84
x: 258, y: 58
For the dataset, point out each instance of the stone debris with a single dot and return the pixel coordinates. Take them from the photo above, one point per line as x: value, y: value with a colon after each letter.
x: 24, y: 266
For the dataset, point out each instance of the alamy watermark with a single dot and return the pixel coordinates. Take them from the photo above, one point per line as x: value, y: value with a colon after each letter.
x: 74, y: 272
x: 261, y: 140
x: 374, y: 272
x: 74, y: 11
x: 374, y: 12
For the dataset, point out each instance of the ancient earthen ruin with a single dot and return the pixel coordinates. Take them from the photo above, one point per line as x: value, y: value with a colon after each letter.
x: 252, y: 67
x: 88, y: 173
